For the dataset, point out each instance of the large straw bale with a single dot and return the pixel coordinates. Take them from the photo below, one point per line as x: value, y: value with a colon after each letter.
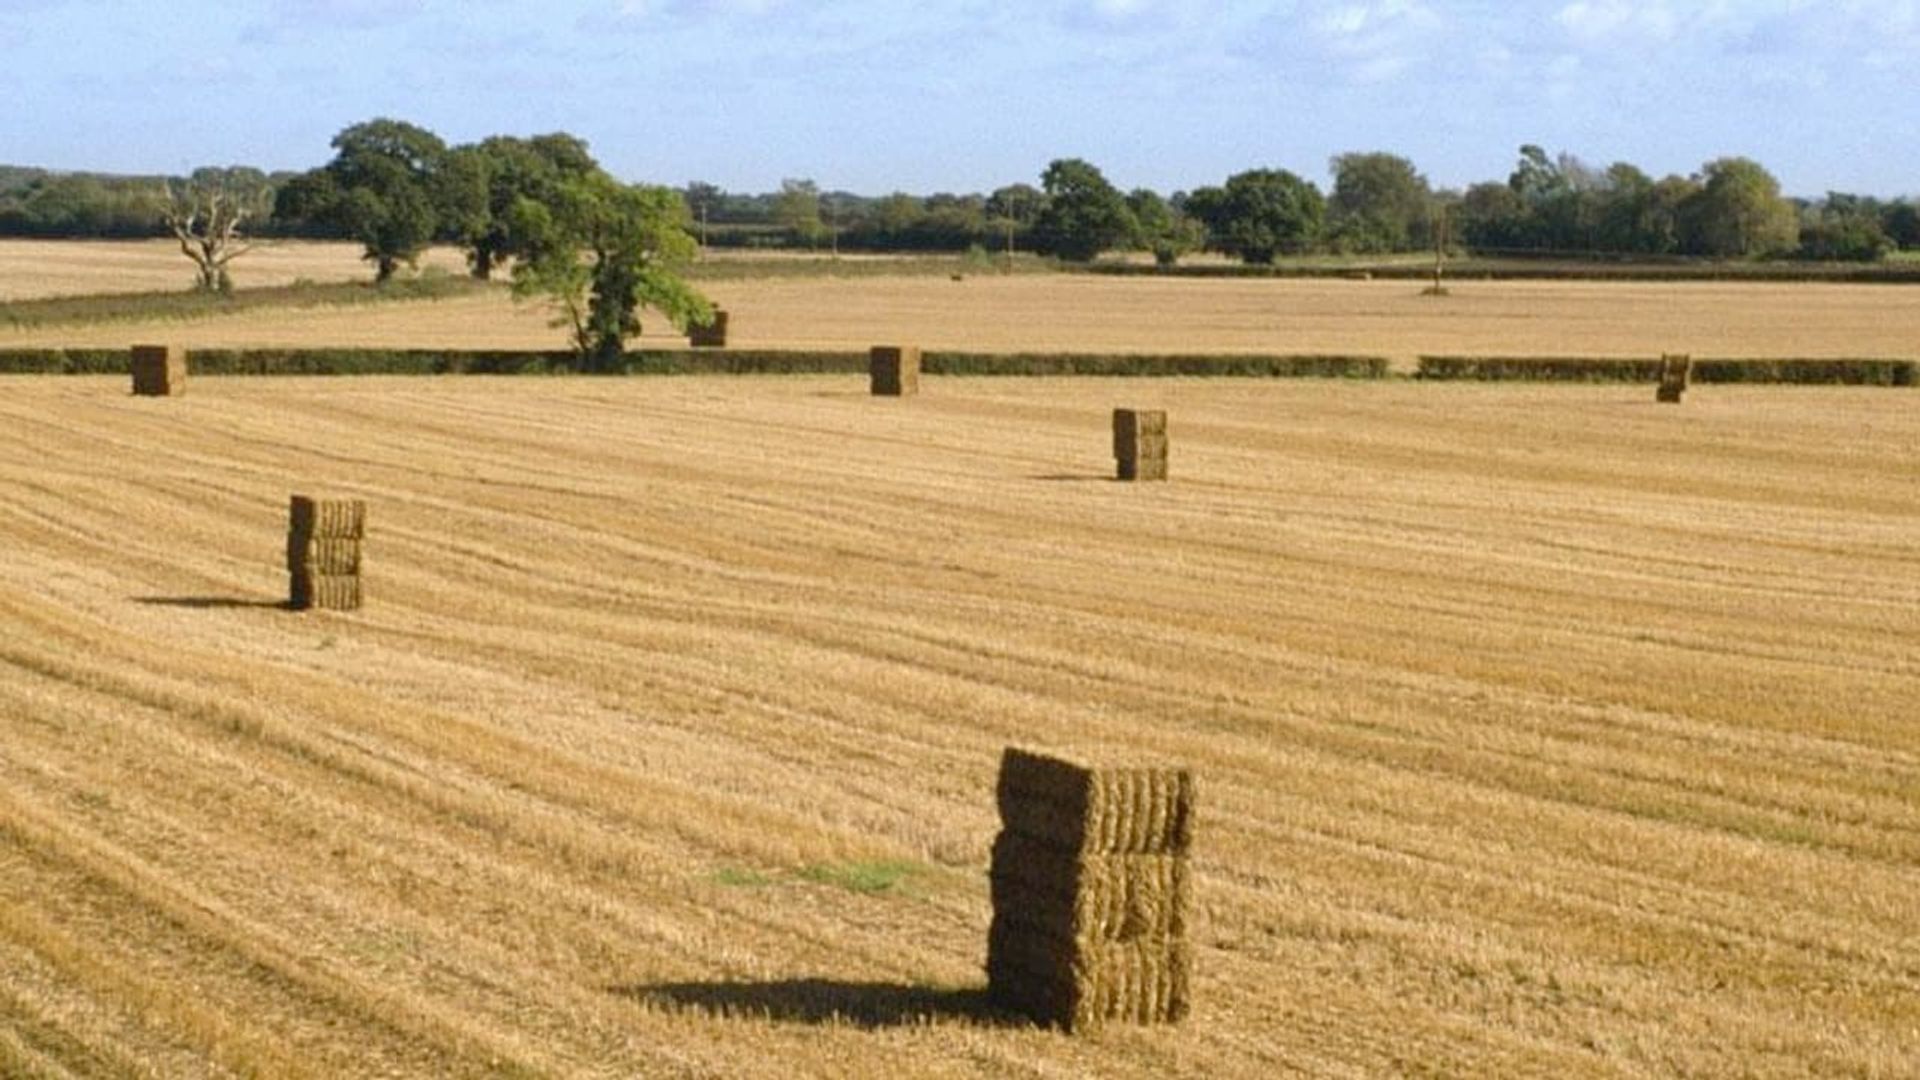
x: 339, y: 518
x: 1675, y: 371
x: 1079, y: 987
x: 159, y: 370
x: 1131, y: 423
x: 323, y: 554
x: 1154, y: 468
x: 1140, y: 447
x: 336, y: 592
x: 894, y: 370
x: 1088, y: 897
x: 712, y: 336
x: 1114, y: 810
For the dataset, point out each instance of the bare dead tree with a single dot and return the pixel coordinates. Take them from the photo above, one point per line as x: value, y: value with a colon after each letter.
x: 206, y: 213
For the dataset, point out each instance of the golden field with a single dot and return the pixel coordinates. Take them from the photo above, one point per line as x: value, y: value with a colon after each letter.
x: 1052, y: 313
x: 1542, y: 731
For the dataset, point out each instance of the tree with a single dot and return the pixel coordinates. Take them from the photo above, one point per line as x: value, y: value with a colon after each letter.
x: 1844, y: 228
x: 1738, y: 212
x: 1161, y: 229
x: 1379, y: 203
x: 1901, y: 222
x: 601, y: 251
x: 385, y: 187
x: 1012, y: 209
x: 798, y: 208
x: 482, y: 183
x: 1083, y: 214
x: 205, y: 213
x: 1261, y: 213
x: 1490, y: 216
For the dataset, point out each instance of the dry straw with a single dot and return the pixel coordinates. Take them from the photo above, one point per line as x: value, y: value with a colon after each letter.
x: 1140, y: 443
x: 1074, y: 807
x: 159, y: 370
x: 894, y: 370
x: 711, y: 336
x: 324, y: 555
x: 1090, y: 892
x: 1675, y: 371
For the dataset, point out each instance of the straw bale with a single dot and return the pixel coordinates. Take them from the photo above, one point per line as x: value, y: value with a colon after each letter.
x: 1153, y: 468
x: 1135, y: 422
x: 1089, y: 897
x: 894, y: 370
x: 1115, y: 810
x: 323, y: 554
x: 309, y: 517
x: 710, y: 337
x: 1675, y: 370
x: 159, y: 370
x: 1082, y: 987
x: 1139, y: 447
x: 336, y: 592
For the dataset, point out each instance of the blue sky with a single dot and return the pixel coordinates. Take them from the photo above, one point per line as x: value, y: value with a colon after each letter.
x: 960, y: 95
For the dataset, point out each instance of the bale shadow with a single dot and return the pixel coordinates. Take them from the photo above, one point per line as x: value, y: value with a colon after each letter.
x: 825, y: 1001
x: 209, y: 603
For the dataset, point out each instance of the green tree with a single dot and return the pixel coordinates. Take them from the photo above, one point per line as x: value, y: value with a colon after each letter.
x: 1162, y: 229
x: 602, y: 251
x: 1083, y: 215
x: 798, y: 208
x: 1261, y: 213
x: 1738, y: 212
x: 384, y: 187
x: 1901, y: 222
x: 1380, y: 202
x: 507, y: 169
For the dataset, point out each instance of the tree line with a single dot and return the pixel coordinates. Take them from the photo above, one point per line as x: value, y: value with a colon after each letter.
x: 397, y: 187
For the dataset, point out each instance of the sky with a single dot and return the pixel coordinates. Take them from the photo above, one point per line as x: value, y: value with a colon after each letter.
x: 873, y: 96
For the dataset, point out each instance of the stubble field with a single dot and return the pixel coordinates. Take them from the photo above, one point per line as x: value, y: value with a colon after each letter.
x: 1034, y: 313
x: 1542, y: 731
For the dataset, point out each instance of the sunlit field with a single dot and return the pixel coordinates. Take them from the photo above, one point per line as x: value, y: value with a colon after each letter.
x: 1541, y: 730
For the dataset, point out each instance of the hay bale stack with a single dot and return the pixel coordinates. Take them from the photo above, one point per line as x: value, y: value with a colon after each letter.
x: 1091, y: 892
x: 894, y: 370
x: 1140, y: 443
x: 711, y: 336
x: 324, y: 538
x: 159, y: 370
x: 1675, y: 371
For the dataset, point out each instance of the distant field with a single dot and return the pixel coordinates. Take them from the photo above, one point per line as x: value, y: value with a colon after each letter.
x: 36, y: 268
x: 1542, y: 731
x: 1056, y: 312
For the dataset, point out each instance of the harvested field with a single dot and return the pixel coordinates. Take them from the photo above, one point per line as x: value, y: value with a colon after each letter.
x: 35, y: 268
x: 1082, y: 313
x: 1540, y: 730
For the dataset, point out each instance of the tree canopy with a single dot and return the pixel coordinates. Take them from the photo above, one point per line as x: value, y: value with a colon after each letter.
x: 1261, y: 214
x: 1082, y: 214
x: 601, y: 251
x: 386, y: 187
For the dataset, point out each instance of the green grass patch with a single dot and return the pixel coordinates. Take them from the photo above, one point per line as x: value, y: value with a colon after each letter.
x: 148, y: 306
x: 741, y: 878
x: 870, y: 876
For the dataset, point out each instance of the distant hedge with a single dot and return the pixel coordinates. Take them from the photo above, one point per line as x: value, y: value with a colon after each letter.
x: 689, y: 362
x: 1616, y: 369
x: 1510, y: 269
